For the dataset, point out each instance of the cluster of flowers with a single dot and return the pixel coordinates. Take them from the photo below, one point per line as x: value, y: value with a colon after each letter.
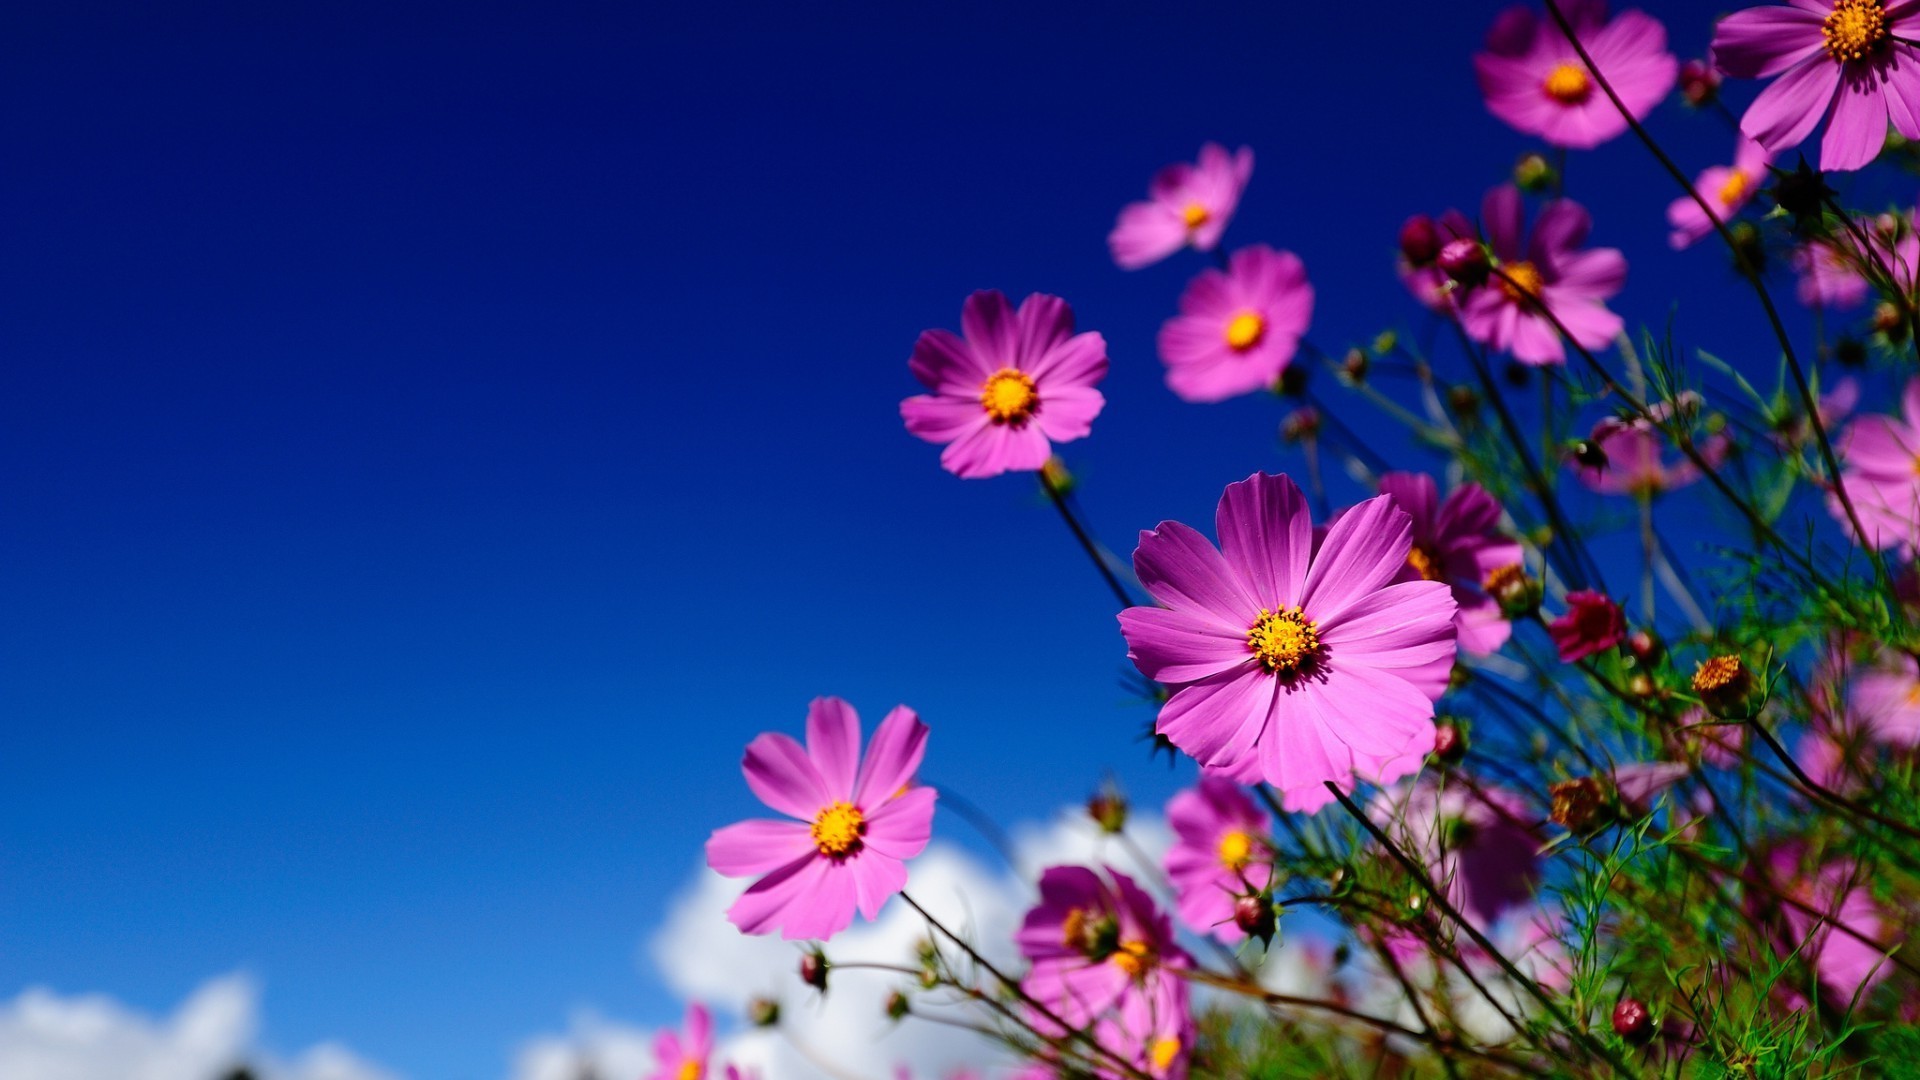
x: 1627, y: 867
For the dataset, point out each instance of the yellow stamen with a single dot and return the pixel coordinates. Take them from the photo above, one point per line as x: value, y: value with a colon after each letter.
x: 838, y: 829
x: 1008, y: 396
x: 1734, y: 189
x: 1714, y: 673
x: 691, y: 1070
x: 1165, y: 1049
x: 1504, y: 577
x: 1194, y: 215
x: 1855, y: 29
x: 1245, y: 330
x: 1133, y: 957
x: 1073, y: 928
x: 1568, y: 84
x: 1236, y: 850
x: 1521, y: 282
x: 1285, y: 641
x: 1423, y: 563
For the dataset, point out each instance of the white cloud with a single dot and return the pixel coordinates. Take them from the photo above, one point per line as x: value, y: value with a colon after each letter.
x: 46, y: 1036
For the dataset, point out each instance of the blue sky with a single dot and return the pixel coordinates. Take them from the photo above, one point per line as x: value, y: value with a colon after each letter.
x: 434, y: 440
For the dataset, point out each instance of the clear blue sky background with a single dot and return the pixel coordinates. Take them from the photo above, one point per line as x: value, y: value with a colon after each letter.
x: 434, y: 438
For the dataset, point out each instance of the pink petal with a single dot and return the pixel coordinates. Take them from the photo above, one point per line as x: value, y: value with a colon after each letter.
x: 799, y: 899
x: 1372, y: 711
x: 1042, y: 323
x: 757, y: 847
x: 1417, y: 494
x: 1560, y: 228
x: 1177, y: 647
x: 876, y: 878
x: 1363, y: 551
x: 1786, y: 112
x: 1503, y: 217
x: 947, y: 365
x: 1179, y: 568
x: 1146, y: 233
x: 992, y: 449
x: 1080, y: 360
x: 1763, y: 41
x: 987, y: 321
x: 782, y: 775
x: 892, y: 758
x: 1406, y: 628
x: 1218, y: 719
x: 833, y: 742
x: 942, y: 419
x: 1266, y: 537
x: 1068, y: 414
x: 1858, y: 127
x: 900, y: 828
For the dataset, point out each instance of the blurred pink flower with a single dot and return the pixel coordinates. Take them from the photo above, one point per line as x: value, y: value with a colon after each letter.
x: 1591, y: 624
x: 1237, y: 329
x: 1419, y: 265
x: 1726, y: 188
x: 1459, y: 542
x: 1635, y: 463
x: 675, y: 1058
x: 1830, y: 919
x: 1880, y: 472
x: 1547, y: 270
x: 858, y: 821
x: 1828, y: 275
x: 1533, y: 79
x: 1289, y: 664
x: 1850, y: 62
x: 1220, y: 851
x: 1186, y: 205
x: 1639, y: 783
x: 1479, y: 843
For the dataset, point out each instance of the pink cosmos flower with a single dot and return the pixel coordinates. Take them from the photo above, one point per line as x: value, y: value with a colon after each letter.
x: 1830, y: 919
x: 1419, y: 264
x: 1104, y: 955
x: 1459, y: 542
x: 1635, y: 456
x: 1885, y: 701
x: 678, y: 1059
x: 859, y: 820
x: 1479, y: 843
x: 1726, y: 188
x: 1533, y: 79
x: 1237, y: 330
x: 1829, y: 277
x: 1289, y: 664
x: 1220, y: 852
x: 1546, y: 270
x: 1880, y: 472
x: 1592, y: 624
x: 1848, y: 61
x: 1186, y: 205
x: 1013, y: 382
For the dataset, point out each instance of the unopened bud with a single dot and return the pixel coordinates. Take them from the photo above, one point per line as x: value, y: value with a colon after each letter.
x: 1725, y: 686
x: 1292, y: 381
x: 1449, y: 743
x: 898, y: 1006
x: 1300, y: 425
x: 763, y: 1012
x: 1354, y: 365
x: 1579, y: 805
x: 1533, y: 174
x: 1802, y: 193
x: 1889, y: 320
x: 1464, y: 400
x: 1108, y: 810
x: 1254, y: 916
x: 1631, y: 1021
x: 1517, y: 592
x: 1588, y: 454
x: 1640, y: 684
x: 1465, y: 263
x: 813, y: 969
x: 1699, y: 83
x: 1420, y: 241
x: 1850, y: 352
x: 1054, y: 474
x: 1645, y: 648
x: 1749, y: 247
x: 1385, y: 342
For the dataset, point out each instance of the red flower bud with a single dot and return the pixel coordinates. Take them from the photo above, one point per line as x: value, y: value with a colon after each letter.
x: 1420, y: 240
x: 1465, y: 263
x: 1631, y: 1021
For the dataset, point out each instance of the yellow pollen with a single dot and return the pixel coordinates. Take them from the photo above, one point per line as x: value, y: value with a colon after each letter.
x: 1734, y: 189
x: 1165, y: 1049
x: 1522, y: 282
x: 1568, y: 84
x: 691, y: 1070
x: 1133, y: 957
x: 1285, y: 641
x: 1008, y: 396
x: 838, y: 829
x: 1245, y: 331
x: 1236, y: 850
x: 1194, y: 215
x: 1423, y: 563
x: 1073, y: 928
x: 1715, y: 673
x: 1504, y: 577
x: 1855, y: 29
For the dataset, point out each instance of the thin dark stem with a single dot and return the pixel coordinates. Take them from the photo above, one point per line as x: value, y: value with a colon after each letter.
x: 1087, y: 543
x: 1823, y: 793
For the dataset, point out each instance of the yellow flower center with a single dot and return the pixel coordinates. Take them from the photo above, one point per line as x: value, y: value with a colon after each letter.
x: 1008, y: 396
x: 1714, y: 673
x: 1734, y: 189
x: 838, y: 829
x: 1568, y: 84
x: 1236, y: 850
x: 1285, y: 641
x: 1165, y: 1049
x: 1855, y: 29
x: 1504, y: 577
x: 1423, y: 562
x: 691, y: 1070
x: 1522, y: 282
x: 1133, y: 957
x: 1194, y: 215
x: 1245, y: 330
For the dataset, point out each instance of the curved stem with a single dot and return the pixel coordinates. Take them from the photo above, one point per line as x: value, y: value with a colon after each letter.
x: 1087, y: 543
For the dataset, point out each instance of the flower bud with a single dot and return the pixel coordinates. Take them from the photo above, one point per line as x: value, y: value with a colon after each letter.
x: 1699, y: 83
x: 1588, y: 454
x: 1632, y: 1022
x: 1292, y: 381
x: 763, y: 1012
x: 1254, y: 916
x: 1646, y: 649
x: 1108, y: 810
x: 1516, y: 591
x: 1850, y: 352
x: 1449, y: 742
x: 1300, y: 425
x: 1640, y: 684
x: 1464, y: 400
x: 1517, y: 374
x: 1580, y: 804
x: 1420, y: 241
x: 1889, y: 320
x: 1385, y: 342
x: 1749, y: 247
x: 1802, y: 193
x: 898, y: 1006
x: 1054, y: 474
x: 1725, y: 686
x: 1533, y: 174
x: 1465, y: 263
x: 1354, y: 366
x: 813, y: 969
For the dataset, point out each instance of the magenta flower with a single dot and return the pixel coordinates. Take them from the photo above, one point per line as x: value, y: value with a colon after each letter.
x: 1220, y: 852
x: 1237, y: 330
x: 678, y: 1059
x: 1636, y: 462
x: 1726, y: 188
x: 1419, y: 263
x: 1478, y: 843
x: 1547, y: 270
x: 1533, y: 79
x: 1186, y: 205
x: 1885, y: 701
x: 1013, y: 382
x: 1847, y: 61
x: 1828, y: 275
x: 1459, y: 542
x: 1828, y: 918
x: 859, y: 820
x: 1880, y: 472
x: 1095, y: 940
x: 1289, y: 664
x: 1592, y: 624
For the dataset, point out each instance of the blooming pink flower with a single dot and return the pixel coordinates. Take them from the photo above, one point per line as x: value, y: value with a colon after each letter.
x: 1592, y: 624
x: 1534, y: 80
x: 1104, y: 956
x: 1880, y: 472
x: 1013, y: 382
x: 859, y: 819
x: 1459, y: 542
x: 1546, y: 270
x: 1847, y: 60
x: 678, y: 1059
x: 1290, y: 664
x: 1220, y: 852
x: 1186, y: 204
x: 1237, y: 330
x: 1885, y: 701
x: 1478, y: 843
x: 1419, y: 265
x: 1726, y: 188
x: 1634, y: 450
